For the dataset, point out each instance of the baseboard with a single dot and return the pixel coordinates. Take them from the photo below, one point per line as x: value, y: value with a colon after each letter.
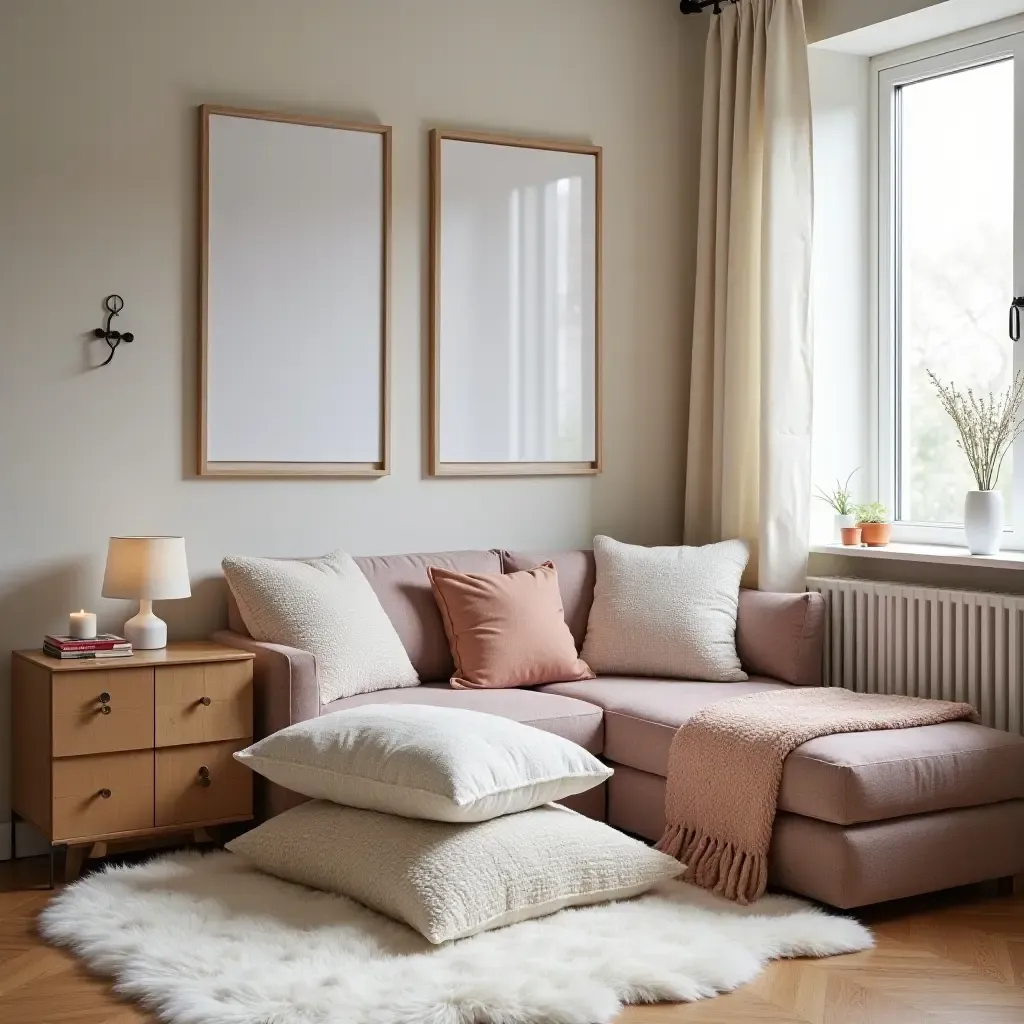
x: 29, y: 841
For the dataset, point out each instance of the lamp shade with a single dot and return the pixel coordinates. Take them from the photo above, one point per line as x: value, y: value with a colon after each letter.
x: 147, y: 568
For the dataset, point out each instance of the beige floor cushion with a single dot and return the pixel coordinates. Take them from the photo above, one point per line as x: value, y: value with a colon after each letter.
x: 449, y: 881
x: 446, y: 764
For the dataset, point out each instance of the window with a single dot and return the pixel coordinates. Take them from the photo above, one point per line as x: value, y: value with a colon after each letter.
x: 949, y: 256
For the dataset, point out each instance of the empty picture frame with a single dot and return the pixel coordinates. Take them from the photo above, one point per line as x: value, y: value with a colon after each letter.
x: 515, y: 326
x: 294, y: 239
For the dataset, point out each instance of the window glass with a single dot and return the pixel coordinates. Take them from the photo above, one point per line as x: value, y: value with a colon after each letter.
x: 953, y: 282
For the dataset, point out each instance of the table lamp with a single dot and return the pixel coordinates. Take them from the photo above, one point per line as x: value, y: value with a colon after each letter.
x: 149, y: 569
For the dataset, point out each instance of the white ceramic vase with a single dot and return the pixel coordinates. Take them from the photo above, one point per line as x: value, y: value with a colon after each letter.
x: 843, y: 523
x: 983, y: 521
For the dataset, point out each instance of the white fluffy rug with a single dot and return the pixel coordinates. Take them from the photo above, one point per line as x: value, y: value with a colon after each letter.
x: 208, y: 940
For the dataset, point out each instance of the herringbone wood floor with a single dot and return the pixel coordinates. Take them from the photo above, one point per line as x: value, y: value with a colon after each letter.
x: 957, y: 958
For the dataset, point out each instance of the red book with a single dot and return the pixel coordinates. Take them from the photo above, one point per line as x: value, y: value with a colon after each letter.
x: 101, y: 642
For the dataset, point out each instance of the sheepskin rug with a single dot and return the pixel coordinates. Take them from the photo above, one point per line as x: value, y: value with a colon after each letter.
x: 209, y: 940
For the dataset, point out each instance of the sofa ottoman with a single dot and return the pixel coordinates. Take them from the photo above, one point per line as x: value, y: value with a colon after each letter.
x: 864, y: 817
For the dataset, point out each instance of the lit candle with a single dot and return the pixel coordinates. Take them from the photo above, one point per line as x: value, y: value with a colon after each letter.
x: 82, y: 625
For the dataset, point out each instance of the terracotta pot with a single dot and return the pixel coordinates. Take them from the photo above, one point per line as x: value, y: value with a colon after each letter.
x: 851, y: 536
x: 876, y: 535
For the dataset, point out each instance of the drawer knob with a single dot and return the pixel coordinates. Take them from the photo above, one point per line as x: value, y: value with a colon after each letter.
x: 105, y: 709
x: 105, y: 793
x: 204, y: 775
x: 205, y: 701
x: 104, y: 697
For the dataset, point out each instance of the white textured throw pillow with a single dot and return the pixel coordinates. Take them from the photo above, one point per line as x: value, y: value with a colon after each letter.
x: 447, y: 764
x: 325, y: 606
x: 668, y: 612
x: 450, y: 881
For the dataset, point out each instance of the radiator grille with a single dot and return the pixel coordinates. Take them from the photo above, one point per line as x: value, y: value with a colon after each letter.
x: 926, y: 642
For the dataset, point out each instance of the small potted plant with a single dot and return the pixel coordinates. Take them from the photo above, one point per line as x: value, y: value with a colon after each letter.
x: 840, y: 500
x: 873, y: 520
x: 987, y: 427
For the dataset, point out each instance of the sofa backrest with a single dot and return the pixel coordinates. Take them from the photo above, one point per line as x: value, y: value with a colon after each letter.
x: 777, y: 635
x: 403, y: 589
x: 576, y: 574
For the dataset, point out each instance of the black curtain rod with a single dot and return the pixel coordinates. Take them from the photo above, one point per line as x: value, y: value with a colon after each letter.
x: 697, y: 6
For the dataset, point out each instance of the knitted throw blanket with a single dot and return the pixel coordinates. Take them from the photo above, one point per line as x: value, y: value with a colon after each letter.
x: 725, y: 767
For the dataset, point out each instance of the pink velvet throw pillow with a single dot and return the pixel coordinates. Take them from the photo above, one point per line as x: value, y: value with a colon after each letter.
x: 506, y: 629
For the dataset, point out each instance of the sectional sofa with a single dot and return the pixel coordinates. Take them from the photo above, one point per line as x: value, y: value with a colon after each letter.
x: 863, y: 817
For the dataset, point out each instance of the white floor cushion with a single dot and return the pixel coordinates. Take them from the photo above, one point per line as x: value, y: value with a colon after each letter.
x: 446, y: 764
x: 449, y: 881
x: 325, y: 606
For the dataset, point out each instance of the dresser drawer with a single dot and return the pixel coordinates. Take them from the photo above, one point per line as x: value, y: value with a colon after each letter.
x: 201, y: 783
x: 102, y: 793
x: 96, y: 711
x: 203, y: 703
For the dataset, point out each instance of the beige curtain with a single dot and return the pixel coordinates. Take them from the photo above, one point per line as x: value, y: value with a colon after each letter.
x: 749, y: 449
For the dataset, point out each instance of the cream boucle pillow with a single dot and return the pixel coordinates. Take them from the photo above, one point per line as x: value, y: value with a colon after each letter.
x: 450, y: 881
x: 325, y: 606
x: 667, y: 612
x: 447, y: 764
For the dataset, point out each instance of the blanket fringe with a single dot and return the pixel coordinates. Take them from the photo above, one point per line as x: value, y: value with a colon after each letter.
x: 716, y: 864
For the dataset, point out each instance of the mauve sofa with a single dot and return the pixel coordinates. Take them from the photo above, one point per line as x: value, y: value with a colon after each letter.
x: 863, y: 817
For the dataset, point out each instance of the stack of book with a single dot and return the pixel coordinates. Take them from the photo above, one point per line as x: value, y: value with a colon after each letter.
x: 103, y: 645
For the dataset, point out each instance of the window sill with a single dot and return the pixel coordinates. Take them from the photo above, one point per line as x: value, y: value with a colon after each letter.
x: 941, y: 554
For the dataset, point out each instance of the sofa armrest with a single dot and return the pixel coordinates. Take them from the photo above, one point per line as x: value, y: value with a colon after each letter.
x: 781, y: 636
x: 285, y: 687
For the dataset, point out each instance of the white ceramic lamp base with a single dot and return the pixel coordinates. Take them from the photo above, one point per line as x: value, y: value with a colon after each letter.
x: 146, y: 631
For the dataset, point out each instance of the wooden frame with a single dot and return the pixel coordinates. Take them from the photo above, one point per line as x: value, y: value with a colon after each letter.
x: 243, y: 470
x: 436, y: 465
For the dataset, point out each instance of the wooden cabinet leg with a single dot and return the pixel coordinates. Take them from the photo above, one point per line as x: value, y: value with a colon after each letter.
x: 73, y: 861
x: 200, y: 835
x: 98, y: 851
x: 1011, y: 885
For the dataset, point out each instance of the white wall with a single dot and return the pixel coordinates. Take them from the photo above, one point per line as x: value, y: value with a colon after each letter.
x: 98, y: 188
x: 827, y: 18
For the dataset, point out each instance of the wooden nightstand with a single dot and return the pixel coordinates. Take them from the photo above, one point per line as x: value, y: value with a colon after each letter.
x: 122, y: 748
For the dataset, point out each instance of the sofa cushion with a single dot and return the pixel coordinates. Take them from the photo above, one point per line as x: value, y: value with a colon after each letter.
x: 403, y: 589
x: 327, y: 607
x: 641, y: 715
x: 564, y: 716
x: 844, y: 779
x: 868, y: 776
x: 576, y: 575
x: 506, y: 629
x: 666, y: 611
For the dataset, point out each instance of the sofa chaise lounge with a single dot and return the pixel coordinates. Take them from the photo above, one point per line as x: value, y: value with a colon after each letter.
x: 863, y: 817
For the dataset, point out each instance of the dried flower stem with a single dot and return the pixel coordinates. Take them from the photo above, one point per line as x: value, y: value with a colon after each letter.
x: 988, y: 426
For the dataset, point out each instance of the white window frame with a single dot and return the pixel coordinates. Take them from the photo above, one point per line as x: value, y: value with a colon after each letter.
x: 888, y: 72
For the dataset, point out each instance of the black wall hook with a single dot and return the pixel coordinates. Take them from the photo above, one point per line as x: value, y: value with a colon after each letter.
x: 1015, y: 307
x: 113, y: 305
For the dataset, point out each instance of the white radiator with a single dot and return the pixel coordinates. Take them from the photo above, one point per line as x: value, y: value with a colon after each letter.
x: 926, y: 642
